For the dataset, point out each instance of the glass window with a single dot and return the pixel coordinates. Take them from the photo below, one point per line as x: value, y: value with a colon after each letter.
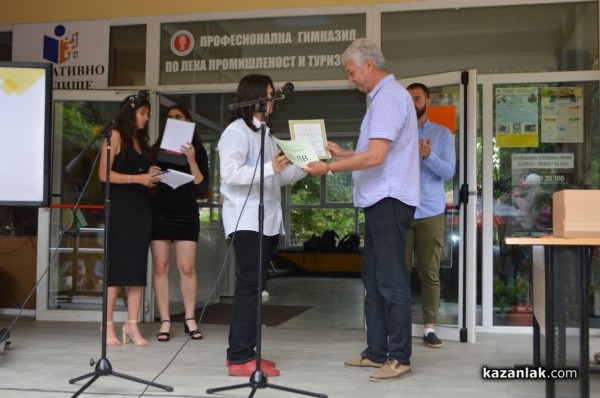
x: 338, y: 187
x: 306, y: 191
x: 127, y: 57
x: 76, y: 272
x: 304, y: 222
x: 5, y: 46
x: 545, y: 140
x: 321, y: 203
x: 502, y: 39
x: 314, y: 204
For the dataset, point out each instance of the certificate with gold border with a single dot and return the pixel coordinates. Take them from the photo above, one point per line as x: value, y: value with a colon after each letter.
x: 314, y: 132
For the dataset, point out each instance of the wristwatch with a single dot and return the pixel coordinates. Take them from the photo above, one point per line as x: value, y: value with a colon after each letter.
x: 328, y: 167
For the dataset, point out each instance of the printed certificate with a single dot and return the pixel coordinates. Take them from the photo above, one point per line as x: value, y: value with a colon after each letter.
x: 314, y: 132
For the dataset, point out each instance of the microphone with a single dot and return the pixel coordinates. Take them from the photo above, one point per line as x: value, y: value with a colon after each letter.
x: 286, y: 89
x: 279, y: 94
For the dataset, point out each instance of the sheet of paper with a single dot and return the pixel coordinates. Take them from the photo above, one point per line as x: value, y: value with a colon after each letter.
x: 174, y: 178
x: 177, y: 133
x: 300, y: 152
x: 314, y: 132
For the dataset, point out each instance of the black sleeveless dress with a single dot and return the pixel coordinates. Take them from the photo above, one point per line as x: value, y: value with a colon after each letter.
x: 130, y: 224
x: 175, y: 211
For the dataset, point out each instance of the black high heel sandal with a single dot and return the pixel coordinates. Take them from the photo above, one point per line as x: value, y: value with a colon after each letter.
x: 194, y: 334
x: 164, y: 336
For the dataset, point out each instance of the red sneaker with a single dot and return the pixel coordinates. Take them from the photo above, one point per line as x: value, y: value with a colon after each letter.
x: 267, y: 362
x: 263, y: 362
x: 246, y: 369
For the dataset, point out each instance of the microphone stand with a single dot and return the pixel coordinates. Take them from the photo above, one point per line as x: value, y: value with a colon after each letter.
x: 103, y: 366
x: 259, y: 379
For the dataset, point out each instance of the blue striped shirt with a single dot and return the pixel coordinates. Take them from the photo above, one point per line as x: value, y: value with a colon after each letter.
x: 440, y: 165
x: 391, y: 115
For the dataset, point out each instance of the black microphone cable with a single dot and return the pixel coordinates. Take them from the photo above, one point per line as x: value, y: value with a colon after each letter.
x: 215, y: 285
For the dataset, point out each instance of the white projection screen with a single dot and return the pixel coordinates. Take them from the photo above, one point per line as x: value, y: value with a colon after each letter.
x: 25, y: 114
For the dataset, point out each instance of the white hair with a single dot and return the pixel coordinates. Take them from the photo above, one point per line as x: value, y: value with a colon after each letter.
x: 362, y: 49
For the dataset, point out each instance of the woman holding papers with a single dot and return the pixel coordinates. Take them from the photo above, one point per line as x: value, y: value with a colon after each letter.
x: 175, y: 222
x: 130, y: 217
x: 239, y: 151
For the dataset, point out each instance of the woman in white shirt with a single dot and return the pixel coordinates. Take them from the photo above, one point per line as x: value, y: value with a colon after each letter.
x: 239, y: 153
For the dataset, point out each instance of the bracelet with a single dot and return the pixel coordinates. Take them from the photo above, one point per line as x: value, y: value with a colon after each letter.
x: 128, y: 178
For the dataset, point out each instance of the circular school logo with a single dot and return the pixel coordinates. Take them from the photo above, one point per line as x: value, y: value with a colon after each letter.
x: 182, y: 43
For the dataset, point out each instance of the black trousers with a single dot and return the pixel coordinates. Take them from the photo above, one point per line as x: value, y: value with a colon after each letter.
x: 242, y: 329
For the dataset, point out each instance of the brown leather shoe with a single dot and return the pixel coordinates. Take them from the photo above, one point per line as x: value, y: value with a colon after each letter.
x: 391, y: 370
x: 362, y: 362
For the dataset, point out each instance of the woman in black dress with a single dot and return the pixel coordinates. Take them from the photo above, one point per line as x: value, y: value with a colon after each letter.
x: 130, y: 217
x: 175, y: 221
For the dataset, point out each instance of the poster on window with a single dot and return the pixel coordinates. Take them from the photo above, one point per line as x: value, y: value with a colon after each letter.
x: 562, y: 114
x: 517, y: 117
x: 535, y: 178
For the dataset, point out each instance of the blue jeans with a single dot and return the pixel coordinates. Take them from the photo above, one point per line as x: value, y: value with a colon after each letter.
x: 387, y: 281
x: 242, y: 328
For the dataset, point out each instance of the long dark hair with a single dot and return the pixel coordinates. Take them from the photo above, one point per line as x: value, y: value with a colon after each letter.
x: 250, y: 88
x: 126, y: 125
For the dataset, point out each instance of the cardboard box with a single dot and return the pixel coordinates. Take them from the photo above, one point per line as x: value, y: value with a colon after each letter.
x: 576, y: 213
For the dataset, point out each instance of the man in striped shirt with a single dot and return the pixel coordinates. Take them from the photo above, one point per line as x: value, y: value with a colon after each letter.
x: 385, y: 172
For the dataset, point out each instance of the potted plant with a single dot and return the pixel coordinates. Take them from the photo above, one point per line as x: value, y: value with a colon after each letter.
x: 518, y: 291
x: 512, y: 300
x: 501, y: 306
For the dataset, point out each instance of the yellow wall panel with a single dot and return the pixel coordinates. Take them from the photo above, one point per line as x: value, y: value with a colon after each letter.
x: 32, y: 11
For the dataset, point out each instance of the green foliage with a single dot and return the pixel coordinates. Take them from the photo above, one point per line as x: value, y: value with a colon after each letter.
x: 339, y: 188
x: 307, y: 191
x: 499, y: 293
x: 305, y: 222
x: 321, y: 203
x: 515, y: 291
x: 78, y: 122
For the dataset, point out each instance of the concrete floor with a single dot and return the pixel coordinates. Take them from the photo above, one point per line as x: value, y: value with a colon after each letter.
x: 309, y: 349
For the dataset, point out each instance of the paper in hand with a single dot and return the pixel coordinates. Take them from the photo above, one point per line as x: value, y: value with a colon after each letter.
x: 174, y: 178
x: 177, y: 134
x: 300, y: 152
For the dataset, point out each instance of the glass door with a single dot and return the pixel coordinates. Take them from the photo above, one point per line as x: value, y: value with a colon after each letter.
x: 540, y: 136
x: 73, y: 232
x: 453, y: 104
